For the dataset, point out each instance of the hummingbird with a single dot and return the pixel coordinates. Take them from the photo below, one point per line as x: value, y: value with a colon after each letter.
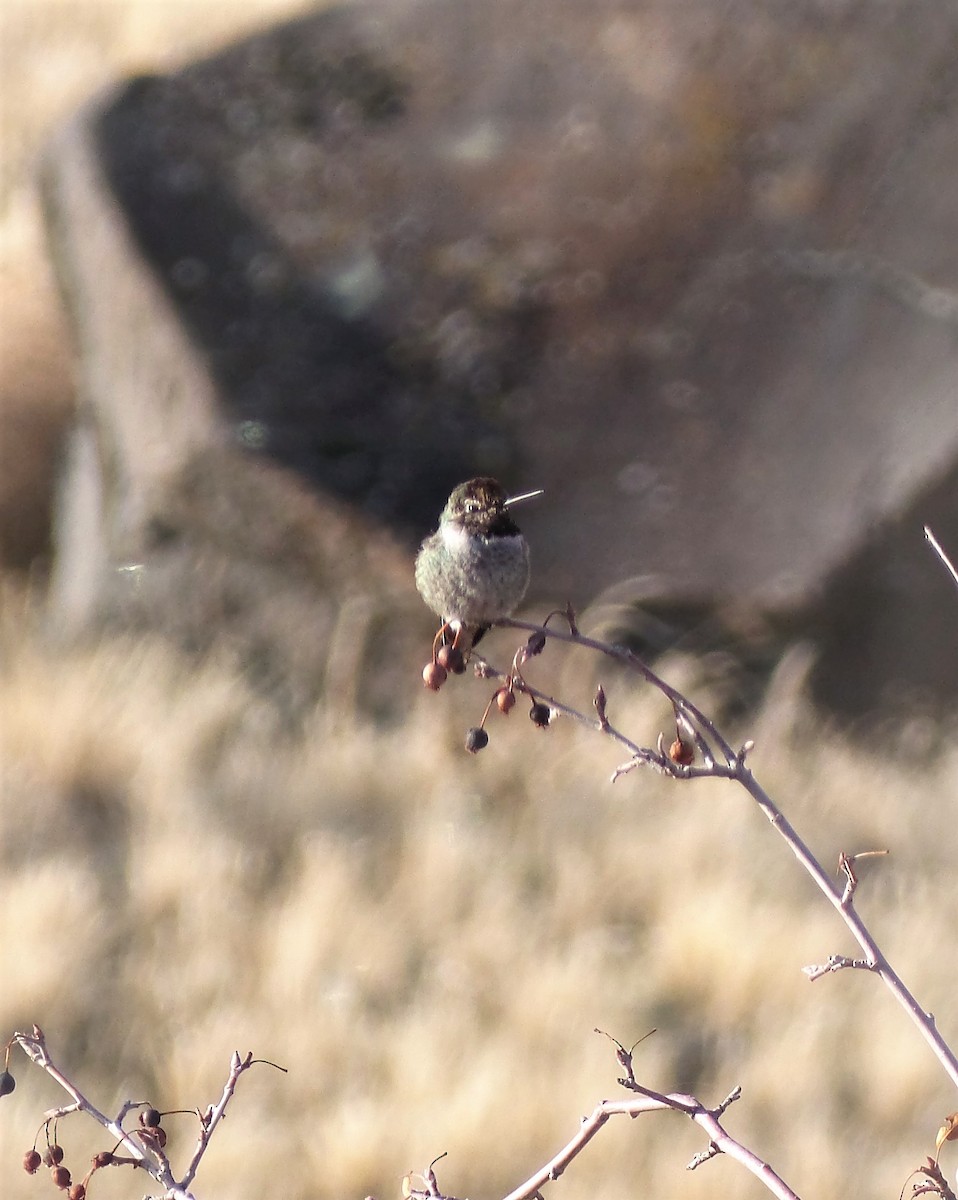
x: 475, y: 568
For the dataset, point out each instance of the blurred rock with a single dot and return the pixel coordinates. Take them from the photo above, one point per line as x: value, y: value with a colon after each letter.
x: 35, y: 409
x: 693, y: 270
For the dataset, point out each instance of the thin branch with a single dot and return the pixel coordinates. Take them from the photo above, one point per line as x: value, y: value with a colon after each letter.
x: 144, y: 1153
x: 650, y: 1101
x: 34, y: 1047
x: 924, y: 1021
x: 727, y: 764
x: 936, y: 546
x: 624, y: 655
x: 210, y: 1119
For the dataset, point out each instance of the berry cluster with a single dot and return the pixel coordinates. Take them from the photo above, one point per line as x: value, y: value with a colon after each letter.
x: 143, y: 1146
x: 150, y: 1132
x: 448, y: 659
x: 53, y: 1158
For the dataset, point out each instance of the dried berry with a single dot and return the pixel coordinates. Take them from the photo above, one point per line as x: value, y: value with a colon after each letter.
x: 53, y: 1156
x: 61, y: 1177
x: 31, y: 1162
x: 540, y: 715
x: 103, y: 1159
x: 476, y: 739
x: 505, y: 699
x: 433, y: 676
x: 77, y: 1192
x: 7, y: 1083
x: 682, y: 752
x: 451, y: 658
x: 535, y: 644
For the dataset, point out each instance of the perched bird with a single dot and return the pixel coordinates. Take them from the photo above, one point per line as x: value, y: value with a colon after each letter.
x: 475, y: 568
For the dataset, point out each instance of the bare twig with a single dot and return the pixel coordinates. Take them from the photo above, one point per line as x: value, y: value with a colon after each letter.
x: 212, y: 1117
x: 34, y: 1047
x: 720, y: 1142
x: 723, y: 762
x: 936, y: 546
x: 142, y: 1146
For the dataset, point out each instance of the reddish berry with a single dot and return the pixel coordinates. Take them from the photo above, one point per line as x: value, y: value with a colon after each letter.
x: 451, y: 658
x: 103, y: 1159
x: 61, y: 1177
x: 77, y: 1192
x: 433, y: 676
x: 505, y: 699
x: 31, y: 1162
x: 682, y: 752
x: 53, y: 1156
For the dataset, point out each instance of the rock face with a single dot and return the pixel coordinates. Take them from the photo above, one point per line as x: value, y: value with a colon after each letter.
x: 692, y: 269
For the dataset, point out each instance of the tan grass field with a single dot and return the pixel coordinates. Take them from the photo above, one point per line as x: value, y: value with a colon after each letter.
x: 425, y: 939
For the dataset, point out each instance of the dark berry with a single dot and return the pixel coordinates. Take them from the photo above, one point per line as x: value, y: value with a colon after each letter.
x: 536, y: 644
x: 540, y: 715
x: 150, y: 1118
x: 451, y: 658
x: 7, y: 1083
x: 476, y: 740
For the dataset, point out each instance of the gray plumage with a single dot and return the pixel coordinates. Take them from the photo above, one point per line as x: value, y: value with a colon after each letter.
x: 475, y: 568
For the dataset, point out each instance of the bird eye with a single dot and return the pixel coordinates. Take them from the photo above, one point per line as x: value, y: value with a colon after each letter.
x: 473, y: 506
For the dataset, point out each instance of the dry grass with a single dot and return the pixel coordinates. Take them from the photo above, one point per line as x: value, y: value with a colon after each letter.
x: 427, y: 939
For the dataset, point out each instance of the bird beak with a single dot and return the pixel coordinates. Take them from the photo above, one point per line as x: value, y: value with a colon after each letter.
x: 524, y: 496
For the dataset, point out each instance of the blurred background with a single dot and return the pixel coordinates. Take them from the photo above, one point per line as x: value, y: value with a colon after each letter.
x: 273, y: 280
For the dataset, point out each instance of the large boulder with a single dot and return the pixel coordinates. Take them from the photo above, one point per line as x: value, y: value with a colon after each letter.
x: 691, y: 269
